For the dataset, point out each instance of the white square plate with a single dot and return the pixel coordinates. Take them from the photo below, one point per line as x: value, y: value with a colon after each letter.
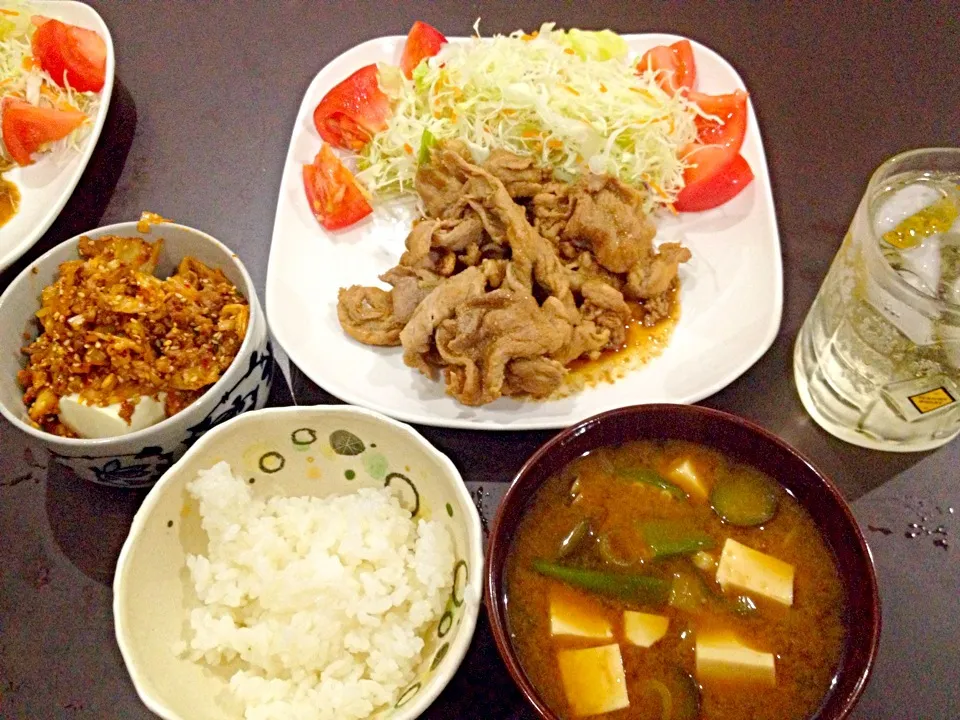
x: 46, y: 185
x: 731, y: 292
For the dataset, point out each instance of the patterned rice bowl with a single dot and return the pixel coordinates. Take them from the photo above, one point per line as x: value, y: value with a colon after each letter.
x: 291, y: 451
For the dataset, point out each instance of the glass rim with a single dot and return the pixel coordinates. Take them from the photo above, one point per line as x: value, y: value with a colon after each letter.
x: 918, y: 298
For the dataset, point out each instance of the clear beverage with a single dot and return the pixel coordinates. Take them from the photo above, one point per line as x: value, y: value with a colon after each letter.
x: 877, y: 361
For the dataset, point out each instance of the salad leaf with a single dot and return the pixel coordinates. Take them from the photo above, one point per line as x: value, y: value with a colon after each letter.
x: 427, y: 141
x: 390, y: 78
x: 420, y: 77
x: 596, y: 44
x: 548, y: 95
x: 7, y: 28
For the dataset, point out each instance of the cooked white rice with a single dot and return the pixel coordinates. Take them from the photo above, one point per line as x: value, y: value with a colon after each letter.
x: 320, y: 602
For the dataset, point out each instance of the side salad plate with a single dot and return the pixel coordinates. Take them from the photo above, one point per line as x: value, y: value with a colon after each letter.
x: 44, y: 186
x: 731, y: 289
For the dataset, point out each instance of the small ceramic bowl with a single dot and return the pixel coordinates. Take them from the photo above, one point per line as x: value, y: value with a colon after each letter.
x: 745, y: 442
x: 314, y: 451
x: 137, y: 459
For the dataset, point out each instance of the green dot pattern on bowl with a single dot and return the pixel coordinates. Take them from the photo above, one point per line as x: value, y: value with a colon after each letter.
x: 414, y: 503
x: 271, y: 462
x: 408, y: 694
x: 376, y: 466
x: 441, y: 654
x: 345, y: 442
x: 303, y: 438
x: 446, y: 622
x: 459, y: 582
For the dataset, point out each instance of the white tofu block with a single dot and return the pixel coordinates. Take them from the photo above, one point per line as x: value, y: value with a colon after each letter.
x: 572, y: 615
x: 685, y: 475
x: 644, y: 629
x: 593, y: 679
x: 723, y: 657
x: 747, y: 569
x: 90, y: 421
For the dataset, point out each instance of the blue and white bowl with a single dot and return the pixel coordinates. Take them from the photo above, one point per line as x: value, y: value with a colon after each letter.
x: 137, y: 459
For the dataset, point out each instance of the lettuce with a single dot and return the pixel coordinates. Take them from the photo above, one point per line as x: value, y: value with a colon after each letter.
x: 572, y: 100
x: 596, y: 44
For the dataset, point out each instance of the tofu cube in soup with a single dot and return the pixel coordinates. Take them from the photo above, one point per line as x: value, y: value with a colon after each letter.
x: 744, y: 568
x: 684, y: 474
x: 572, y: 614
x: 644, y: 629
x: 613, y: 610
x: 593, y: 679
x: 724, y: 657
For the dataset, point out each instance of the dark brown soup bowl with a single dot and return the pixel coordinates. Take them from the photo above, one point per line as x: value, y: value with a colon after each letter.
x: 738, y: 439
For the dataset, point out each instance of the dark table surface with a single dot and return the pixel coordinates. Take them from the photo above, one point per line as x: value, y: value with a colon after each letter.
x: 203, y: 108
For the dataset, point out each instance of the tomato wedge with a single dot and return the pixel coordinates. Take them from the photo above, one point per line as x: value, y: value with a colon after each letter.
x: 332, y: 191
x: 674, y: 65
x: 423, y: 41
x: 718, y: 172
x: 353, y: 111
x: 26, y: 127
x: 712, y: 180
x: 732, y: 111
x: 686, y: 65
x: 71, y: 53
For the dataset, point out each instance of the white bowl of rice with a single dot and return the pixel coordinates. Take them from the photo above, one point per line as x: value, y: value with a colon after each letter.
x: 300, y: 563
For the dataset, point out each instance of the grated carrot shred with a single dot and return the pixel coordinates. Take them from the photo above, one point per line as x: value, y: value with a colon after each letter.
x: 407, y: 149
x: 656, y: 188
x: 570, y: 89
x: 530, y: 134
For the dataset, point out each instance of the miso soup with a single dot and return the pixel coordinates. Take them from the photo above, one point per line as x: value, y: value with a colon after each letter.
x: 664, y: 580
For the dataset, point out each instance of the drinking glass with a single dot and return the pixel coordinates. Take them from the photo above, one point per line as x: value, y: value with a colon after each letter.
x: 877, y: 360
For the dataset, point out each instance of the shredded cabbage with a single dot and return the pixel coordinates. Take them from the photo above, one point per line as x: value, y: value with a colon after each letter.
x: 572, y: 100
x: 22, y: 78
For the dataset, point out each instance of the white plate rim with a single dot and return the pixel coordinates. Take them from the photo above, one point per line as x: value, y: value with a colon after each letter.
x: 88, y: 17
x: 293, y: 349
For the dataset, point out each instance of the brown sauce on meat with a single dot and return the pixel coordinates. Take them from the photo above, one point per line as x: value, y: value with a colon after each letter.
x: 512, y: 274
x: 643, y: 343
x: 9, y: 200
